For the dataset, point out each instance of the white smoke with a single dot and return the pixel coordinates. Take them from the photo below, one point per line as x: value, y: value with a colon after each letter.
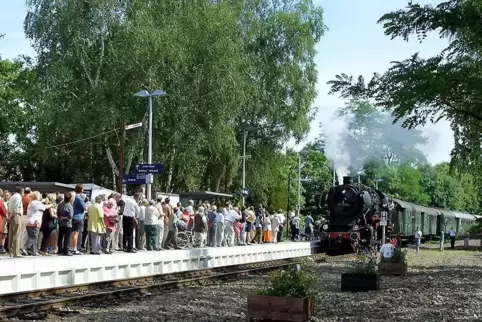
x: 334, y: 148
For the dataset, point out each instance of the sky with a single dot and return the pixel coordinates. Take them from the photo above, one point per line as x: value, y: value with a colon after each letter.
x: 354, y: 44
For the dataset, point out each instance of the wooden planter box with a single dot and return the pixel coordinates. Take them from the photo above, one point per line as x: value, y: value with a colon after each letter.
x: 279, y: 308
x: 394, y: 269
x: 359, y: 282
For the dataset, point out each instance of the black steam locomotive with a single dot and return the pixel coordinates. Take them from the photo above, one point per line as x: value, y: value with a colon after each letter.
x: 353, y: 213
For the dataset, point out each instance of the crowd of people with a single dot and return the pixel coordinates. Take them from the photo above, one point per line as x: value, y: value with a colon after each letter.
x: 32, y: 224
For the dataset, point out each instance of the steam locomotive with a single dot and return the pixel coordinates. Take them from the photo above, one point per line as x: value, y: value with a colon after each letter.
x: 353, y: 213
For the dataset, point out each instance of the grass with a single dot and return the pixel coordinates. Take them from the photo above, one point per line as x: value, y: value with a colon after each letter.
x: 429, y: 257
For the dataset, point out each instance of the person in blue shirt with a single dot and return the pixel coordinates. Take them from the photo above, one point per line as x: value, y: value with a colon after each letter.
x: 78, y: 219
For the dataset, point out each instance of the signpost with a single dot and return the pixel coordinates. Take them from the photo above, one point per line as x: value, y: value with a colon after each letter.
x: 155, y: 168
x: 383, y: 223
x: 133, y: 126
x: 138, y: 178
x: 124, y: 128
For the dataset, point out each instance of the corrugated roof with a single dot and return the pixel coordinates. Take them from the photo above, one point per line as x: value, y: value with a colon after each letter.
x: 43, y: 187
x: 403, y: 204
x: 463, y: 215
x: 427, y: 210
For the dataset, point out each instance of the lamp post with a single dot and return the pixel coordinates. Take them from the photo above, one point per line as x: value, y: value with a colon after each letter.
x: 144, y: 93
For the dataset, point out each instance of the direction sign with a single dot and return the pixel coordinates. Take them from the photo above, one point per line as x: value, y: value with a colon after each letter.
x: 245, y: 192
x: 139, y: 178
x: 133, y: 126
x: 150, y: 168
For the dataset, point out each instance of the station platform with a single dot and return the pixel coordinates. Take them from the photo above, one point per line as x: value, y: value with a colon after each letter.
x: 37, y: 273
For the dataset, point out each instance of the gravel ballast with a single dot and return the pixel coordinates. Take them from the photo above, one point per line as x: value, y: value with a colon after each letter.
x: 439, y: 287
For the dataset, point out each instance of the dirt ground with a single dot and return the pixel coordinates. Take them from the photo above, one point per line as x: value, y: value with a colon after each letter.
x: 440, y: 286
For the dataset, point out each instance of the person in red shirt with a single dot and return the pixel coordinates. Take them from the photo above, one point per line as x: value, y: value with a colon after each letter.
x: 3, y: 220
x: 26, y: 199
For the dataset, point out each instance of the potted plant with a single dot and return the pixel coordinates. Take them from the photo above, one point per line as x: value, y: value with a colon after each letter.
x: 362, y: 275
x: 287, y: 297
x: 395, y: 265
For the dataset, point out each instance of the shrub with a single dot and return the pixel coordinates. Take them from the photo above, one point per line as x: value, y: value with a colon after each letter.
x: 399, y: 256
x: 296, y: 281
x: 364, y: 264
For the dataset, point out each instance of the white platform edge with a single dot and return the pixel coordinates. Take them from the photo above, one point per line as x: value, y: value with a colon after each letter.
x: 36, y: 273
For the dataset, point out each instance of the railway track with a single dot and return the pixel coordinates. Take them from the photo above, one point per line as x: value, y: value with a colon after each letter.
x: 39, y: 302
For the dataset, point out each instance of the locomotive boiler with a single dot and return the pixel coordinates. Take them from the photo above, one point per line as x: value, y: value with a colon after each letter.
x: 353, y: 212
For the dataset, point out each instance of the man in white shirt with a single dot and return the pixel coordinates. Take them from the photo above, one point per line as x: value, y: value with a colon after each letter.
x: 15, y: 211
x: 386, y: 251
x: 281, y: 228
x: 229, y: 218
x: 219, y: 227
x: 275, y: 228
x: 452, y: 234
x: 130, y: 221
x: 418, y: 239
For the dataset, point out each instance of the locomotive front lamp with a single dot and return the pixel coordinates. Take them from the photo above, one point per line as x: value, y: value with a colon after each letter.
x: 325, y: 227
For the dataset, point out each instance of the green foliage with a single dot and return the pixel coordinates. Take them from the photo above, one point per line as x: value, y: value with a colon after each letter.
x: 399, y: 256
x: 364, y: 264
x: 296, y: 281
x: 226, y: 65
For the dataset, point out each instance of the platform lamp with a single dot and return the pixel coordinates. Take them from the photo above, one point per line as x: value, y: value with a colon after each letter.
x: 144, y: 93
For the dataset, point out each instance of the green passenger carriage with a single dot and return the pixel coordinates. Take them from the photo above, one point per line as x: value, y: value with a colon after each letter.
x: 406, y: 217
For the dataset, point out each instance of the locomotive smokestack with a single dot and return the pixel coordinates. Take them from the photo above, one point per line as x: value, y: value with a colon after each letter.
x: 347, y: 180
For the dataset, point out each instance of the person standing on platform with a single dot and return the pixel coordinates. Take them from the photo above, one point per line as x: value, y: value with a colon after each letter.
x: 4, y: 240
x: 171, y: 240
x: 242, y: 229
x: 140, y: 231
x: 258, y: 226
x: 229, y: 218
x: 309, y: 224
x: 84, y: 243
x: 49, y: 224
x: 212, y: 226
x: 15, y: 221
x: 167, y: 210
x: 281, y: 219
x: 250, y: 220
x: 295, y: 228
x: 267, y: 233
x: 26, y: 198
x: 219, y: 227
x: 452, y: 234
x: 200, y: 227
x: 275, y: 228
x: 3, y: 223
x: 129, y: 221
x: 96, y: 226
x: 111, y: 219
x: 34, y: 220
x: 65, y: 212
x: 119, y: 240
x: 78, y: 220
x: 151, y: 226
